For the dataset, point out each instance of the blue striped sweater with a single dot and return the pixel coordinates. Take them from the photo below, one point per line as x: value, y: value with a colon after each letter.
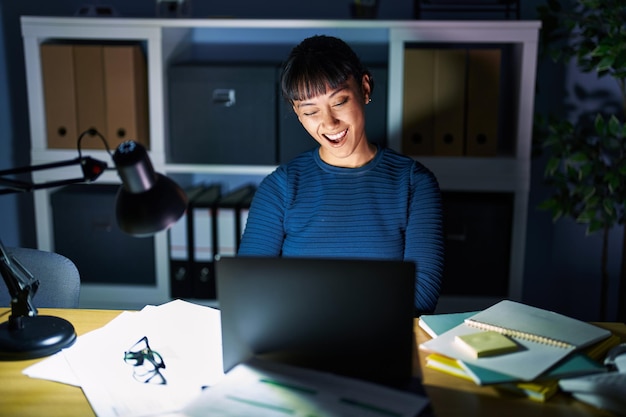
x: 389, y: 208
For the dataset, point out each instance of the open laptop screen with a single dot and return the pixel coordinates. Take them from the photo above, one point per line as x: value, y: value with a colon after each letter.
x: 350, y: 317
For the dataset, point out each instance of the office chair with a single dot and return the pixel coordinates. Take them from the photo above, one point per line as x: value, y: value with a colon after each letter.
x: 59, y: 279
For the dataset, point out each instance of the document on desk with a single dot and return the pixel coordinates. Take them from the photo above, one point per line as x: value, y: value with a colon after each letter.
x: 266, y: 389
x: 150, y: 362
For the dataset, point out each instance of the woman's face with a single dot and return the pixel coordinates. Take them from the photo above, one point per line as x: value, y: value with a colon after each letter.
x: 336, y: 120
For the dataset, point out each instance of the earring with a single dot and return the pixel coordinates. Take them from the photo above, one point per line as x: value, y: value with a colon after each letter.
x: 369, y: 100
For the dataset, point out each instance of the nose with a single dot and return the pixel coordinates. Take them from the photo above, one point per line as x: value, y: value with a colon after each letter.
x: 329, y: 119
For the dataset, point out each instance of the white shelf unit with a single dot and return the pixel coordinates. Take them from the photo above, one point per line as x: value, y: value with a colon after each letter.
x: 167, y: 39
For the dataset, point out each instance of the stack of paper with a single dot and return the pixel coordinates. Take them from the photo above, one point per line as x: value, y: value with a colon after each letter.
x: 186, y: 336
x: 539, y: 382
x: 267, y: 389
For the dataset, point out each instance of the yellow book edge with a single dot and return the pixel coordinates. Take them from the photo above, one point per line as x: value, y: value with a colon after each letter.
x: 534, y: 391
x: 447, y: 365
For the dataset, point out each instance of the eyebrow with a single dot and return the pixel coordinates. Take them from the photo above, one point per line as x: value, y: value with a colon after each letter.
x: 341, y: 88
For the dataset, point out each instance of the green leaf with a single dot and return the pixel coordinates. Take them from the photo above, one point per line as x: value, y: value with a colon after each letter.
x: 586, y: 216
x: 587, y: 192
x: 600, y: 125
x: 585, y: 171
x: 548, y: 204
x: 552, y: 166
x: 612, y: 181
x: 594, y: 226
x: 609, y: 208
x: 614, y: 126
x: 579, y: 157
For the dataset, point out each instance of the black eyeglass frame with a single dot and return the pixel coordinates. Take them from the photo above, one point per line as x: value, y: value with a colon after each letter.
x: 147, y: 363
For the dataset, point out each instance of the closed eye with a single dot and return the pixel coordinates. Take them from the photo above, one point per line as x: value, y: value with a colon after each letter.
x: 341, y: 103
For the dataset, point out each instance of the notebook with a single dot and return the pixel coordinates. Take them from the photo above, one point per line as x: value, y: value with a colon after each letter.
x: 544, y: 338
x: 350, y: 317
x: 579, y: 363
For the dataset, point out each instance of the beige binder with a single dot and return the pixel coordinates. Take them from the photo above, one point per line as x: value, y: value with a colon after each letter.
x: 418, y: 108
x: 126, y: 91
x: 450, y: 67
x: 483, y: 91
x: 90, y: 98
x: 57, y: 64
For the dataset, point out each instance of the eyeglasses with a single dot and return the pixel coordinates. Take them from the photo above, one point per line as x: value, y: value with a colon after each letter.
x: 146, y: 363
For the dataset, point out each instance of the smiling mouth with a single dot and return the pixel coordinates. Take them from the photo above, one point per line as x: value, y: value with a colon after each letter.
x: 337, y: 137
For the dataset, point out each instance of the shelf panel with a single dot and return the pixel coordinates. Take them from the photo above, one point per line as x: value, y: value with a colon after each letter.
x: 479, y: 174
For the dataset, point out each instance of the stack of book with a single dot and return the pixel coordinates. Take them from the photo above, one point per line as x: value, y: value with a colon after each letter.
x: 533, y: 350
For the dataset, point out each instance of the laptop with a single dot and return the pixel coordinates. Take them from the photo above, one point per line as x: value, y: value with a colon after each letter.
x: 345, y: 316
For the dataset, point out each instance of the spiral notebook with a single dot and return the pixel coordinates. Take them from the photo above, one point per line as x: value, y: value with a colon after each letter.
x: 544, y: 338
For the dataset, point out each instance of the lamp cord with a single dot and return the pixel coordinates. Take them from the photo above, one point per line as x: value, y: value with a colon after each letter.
x: 92, y: 132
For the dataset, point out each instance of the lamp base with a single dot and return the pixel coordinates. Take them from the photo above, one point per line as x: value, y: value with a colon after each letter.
x: 34, y: 337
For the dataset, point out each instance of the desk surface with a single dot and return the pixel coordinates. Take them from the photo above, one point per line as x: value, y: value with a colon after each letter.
x: 450, y: 396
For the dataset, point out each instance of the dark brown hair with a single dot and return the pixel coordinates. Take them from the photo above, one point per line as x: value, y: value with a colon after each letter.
x: 318, y: 63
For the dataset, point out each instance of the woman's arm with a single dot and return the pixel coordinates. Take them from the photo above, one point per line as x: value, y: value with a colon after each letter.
x: 424, y: 238
x: 264, y: 232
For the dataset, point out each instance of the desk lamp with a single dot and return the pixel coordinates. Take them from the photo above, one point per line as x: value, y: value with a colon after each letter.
x: 146, y: 203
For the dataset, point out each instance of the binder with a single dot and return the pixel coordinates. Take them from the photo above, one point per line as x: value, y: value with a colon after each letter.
x: 449, y: 97
x: 181, y: 243
x: 202, y: 243
x: 90, y: 94
x: 418, y: 106
x: 483, y: 94
x: 126, y: 92
x: 231, y: 215
x: 59, y: 93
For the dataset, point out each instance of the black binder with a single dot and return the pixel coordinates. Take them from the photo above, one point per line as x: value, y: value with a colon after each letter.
x: 237, y: 200
x: 186, y: 274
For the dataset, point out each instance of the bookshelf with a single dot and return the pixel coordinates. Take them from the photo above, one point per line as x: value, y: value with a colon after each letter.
x: 166, y: 42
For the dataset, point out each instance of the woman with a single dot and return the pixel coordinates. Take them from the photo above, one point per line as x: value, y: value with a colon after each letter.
x: 347, y: 198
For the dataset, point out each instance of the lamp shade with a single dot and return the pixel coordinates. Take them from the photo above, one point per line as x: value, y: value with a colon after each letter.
x: 147, y: 202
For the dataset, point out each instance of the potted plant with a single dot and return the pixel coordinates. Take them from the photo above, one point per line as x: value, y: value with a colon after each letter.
x: 587, y: 156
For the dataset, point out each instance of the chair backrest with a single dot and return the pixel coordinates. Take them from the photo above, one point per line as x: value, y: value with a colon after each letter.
x: 59, y: 279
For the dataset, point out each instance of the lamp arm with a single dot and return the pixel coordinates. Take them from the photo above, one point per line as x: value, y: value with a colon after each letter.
x: 91, y: 170
x: 21, y: 284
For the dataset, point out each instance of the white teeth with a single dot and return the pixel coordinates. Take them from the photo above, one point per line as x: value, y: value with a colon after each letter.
x: 337, y: 136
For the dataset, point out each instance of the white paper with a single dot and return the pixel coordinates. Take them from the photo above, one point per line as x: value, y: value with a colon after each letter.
x: 186, y: 335
x: 264, y: 389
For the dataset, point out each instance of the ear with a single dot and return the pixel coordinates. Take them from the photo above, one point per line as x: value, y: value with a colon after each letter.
x: 366, y: 87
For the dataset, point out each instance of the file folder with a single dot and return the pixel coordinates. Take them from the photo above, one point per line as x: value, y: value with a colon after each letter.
x: 418, y: 108
x: 90, y: 93
x: 182, y: 248
x: 483, y: 91
x: 202, y: 242
x: 230, y: 222
x: 126, y: 92
x: 57, y: 64
x: 450, y: 87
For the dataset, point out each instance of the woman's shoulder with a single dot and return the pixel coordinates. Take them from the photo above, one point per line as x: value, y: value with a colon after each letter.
x: 297, y: 165
x: 401, y: 160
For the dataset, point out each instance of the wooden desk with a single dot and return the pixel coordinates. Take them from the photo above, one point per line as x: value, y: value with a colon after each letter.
x: 21, y: 395
x: 450, y: 396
